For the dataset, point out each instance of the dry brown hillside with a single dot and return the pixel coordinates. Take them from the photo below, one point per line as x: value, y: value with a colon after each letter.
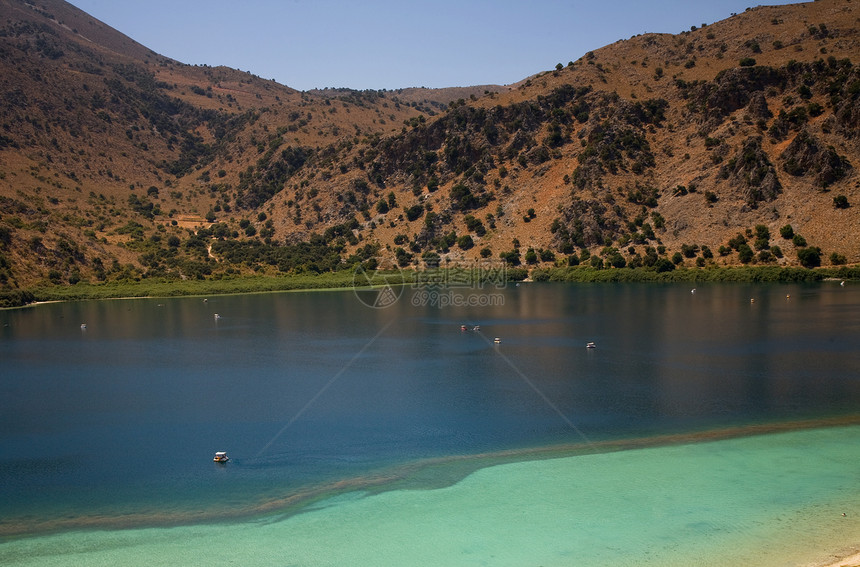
x: 116, y: 162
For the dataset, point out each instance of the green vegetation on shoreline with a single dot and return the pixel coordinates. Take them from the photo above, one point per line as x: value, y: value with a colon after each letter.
x: 155, y: 288
x: 346, y: 279
x: 750, y: 274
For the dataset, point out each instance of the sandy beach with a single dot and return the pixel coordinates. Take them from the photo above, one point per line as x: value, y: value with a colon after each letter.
x: 850, y: 561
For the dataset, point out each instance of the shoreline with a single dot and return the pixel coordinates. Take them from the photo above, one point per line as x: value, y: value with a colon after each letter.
x: 341, y: 280
x: 407, y: 476
x: 168, y: 290
x: 340, y: 526
x: 852, y: 560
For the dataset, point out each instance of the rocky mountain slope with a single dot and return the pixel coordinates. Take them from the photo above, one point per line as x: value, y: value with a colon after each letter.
x: 735, y: 142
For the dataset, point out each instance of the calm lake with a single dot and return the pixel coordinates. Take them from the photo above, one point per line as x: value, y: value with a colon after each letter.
x: 111, y: 412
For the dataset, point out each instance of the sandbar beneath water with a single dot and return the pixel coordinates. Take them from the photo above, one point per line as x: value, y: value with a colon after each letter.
x: 765, y: 500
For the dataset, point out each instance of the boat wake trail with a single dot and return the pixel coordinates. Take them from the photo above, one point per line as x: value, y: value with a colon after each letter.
x: 322, y: 390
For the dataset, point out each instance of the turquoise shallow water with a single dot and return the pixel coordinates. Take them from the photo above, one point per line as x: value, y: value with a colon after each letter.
x: 766, y: 500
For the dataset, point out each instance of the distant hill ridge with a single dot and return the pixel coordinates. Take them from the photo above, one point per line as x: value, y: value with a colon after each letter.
x: 732, y: 143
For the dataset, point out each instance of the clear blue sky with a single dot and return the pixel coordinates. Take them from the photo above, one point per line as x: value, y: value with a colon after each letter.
x: 386, y: 44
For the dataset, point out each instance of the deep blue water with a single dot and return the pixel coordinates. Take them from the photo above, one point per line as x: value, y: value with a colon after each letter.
x: 306, y: 388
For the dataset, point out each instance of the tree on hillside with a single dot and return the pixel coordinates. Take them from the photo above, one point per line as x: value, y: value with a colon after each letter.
x: 809, y: 257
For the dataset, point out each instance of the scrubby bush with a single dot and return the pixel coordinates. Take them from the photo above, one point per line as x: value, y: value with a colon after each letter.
x: 616, y: 260
x: 809, y: 257
x: 465, y: 242
x: 402, y: 256
x: 431, y: 259
x: 414, y: 212
x: 474, y: 225
x: 736, y: 242
x: 511, y: 258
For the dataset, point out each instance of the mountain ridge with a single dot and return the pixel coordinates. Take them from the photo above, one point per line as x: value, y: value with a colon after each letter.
x: 654, y: 151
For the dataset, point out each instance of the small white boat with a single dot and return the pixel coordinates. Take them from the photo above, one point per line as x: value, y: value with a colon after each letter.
x: 476, y: 328
x: 590, y: 345
x: 83, y: 326
x: 497, y: 340
x: 217, y: 316
x: 221, y: 457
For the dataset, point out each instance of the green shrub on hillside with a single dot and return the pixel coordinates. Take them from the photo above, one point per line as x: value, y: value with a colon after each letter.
x: 809, y: 257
